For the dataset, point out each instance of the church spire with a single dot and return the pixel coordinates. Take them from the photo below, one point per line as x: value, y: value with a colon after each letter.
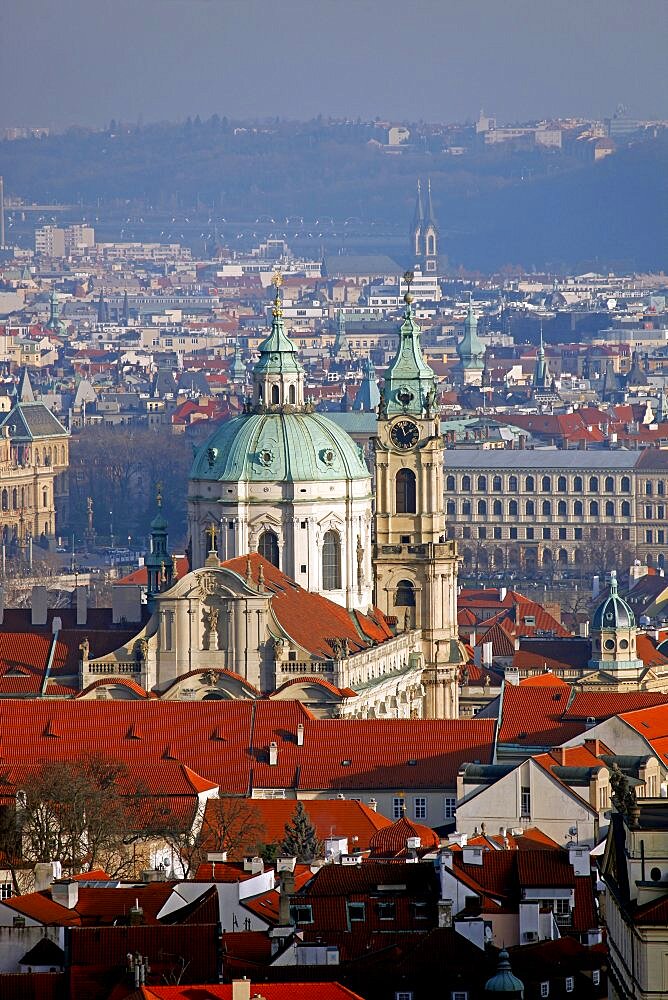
x: 410, y: 384
x: 470, y: 348
x: 418, y: 214
x: 159, y: 563
x: 431, y: 218
x: 278, y: 376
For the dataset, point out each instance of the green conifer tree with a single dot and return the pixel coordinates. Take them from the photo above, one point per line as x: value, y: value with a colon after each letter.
x: 301, y: 840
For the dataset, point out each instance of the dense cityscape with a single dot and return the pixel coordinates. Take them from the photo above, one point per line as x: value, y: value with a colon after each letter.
x: 333, y: 541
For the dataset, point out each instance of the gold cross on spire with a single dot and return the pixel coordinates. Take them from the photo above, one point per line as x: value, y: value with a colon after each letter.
x: 277, y: 281
x: 211, y: 532
x: 158, y: 495
x: 408, y: 279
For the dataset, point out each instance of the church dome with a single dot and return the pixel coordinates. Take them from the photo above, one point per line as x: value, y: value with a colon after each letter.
x: 613, y: 612
x: 504, y: 982
x: 279, y: 447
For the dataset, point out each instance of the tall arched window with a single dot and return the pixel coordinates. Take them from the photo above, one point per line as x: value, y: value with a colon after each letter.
x: 529, y: 484
x: 577, y: 508
x: 405, y: 492
x: 593, y: 508
x: 561, y: 508
x: 450, y: 484
x: 626, y: 508
x: 512, y: 484
x: 482, y: 508
x: 482, y: 483
x: 547, y: 508
x: 331, y: 561
x: 292, y: 392
x: 546, y: 485
x: 577, y: 484
x: 497, y: 509
x: 530, y: 508
x: 561, y: 484
x: 5, y: 500
x: 405, y: 597
x: 609, y: 484
x: 267, y: 547
x: 466, y: 508
x: 275, y: 394
x: 593, y: 484
x: 497, y: 485
x: 609, y: 509
x: 450, y: 508
x: 15, y: 498
x: 626, y: 484
x: 512, y: 508
x: 466, y: 482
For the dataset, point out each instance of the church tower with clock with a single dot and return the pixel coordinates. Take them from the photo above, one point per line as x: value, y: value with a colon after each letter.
x: 415, y: 566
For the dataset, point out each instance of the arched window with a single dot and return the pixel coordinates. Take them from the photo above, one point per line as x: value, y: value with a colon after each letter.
x: 267, y: 547
x: 609, y: 484
x: 15, y: 498
x: 405, y: 492
x: 512, y: 508
x: 466, y: 482
x: 626, y: 508
x: 496, y: 484
x: 546, y: 484
x: 450, y: 484
x: 482, y: 483
x: 431, y: 244
x: 561, y: 508
x: 577, y: 508
x: 648, y: 488
x: 62, y: 455
x: 609, y: 509
x: 482, y: 508
x: 529, y: 484
x: 530, y: 508
x: 292, y: 394
x: 593, y: 508
x: 661, y: 488
x: 331, y: 561
x: 561, y: 484
x: 466, y: 507
x: 512, y: 484
x: 5, y: 500
x: 45, y: 498
x: 577, y: 484
x: 405, y: 597
x: 593, y: 484
x: 275, y: 394
x: 563, y: 557
x: 450, y: 508
x: 626, y: 484
x: 547, y: 508
x: 497, y: 510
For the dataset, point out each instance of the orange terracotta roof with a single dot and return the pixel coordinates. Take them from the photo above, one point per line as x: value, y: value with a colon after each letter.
x: 392, y: 840
x: 545, y: 679
x: 310, y: 619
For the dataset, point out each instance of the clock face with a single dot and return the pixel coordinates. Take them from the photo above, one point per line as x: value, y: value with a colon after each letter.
x: 405, y: 434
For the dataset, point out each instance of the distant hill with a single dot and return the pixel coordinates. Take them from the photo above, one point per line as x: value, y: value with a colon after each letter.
x: 527, y: 208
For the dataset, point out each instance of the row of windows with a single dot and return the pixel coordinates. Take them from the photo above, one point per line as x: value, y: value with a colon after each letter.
x: 420, y: 807
x: 569, y: 987
x: 331, y: 556
x: 547, y: 484
x: 576, y: 534
x: 546, y: 508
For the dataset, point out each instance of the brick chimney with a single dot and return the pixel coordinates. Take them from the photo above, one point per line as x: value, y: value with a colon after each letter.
x: 241, y: 989
x: 560, y: 755
x: 287, y: 886
x: 594, y: 746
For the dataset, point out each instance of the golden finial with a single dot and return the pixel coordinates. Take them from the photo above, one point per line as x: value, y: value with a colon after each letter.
x: 408, y: 280
x: 211, y: 532
x: 158, y: 494
x: 277, y: 281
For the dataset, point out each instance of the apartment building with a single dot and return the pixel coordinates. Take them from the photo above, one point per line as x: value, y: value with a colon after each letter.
x: 553, y: 508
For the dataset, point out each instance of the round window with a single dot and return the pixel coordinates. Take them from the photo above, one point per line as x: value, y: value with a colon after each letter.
x: 623, y: 644
x: 655, y: 874
x: 609, y: 644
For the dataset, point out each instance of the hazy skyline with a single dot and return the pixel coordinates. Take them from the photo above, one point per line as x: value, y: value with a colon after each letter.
x: 87, y: 61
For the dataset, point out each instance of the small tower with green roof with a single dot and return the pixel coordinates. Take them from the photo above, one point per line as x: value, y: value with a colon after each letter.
x: 158, y: 562
x: 613, y: 637
x: 471, y: 351
x: 503, y: 983
x: 278, y: 376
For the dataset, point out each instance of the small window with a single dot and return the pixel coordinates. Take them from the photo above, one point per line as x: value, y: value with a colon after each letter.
x: 450, y: 807
x: 387, y: 909
x: 398, y: 807
x: 420, y: 807
x: 544, y: 989
x: 525, y: 804
x: 460, y: 995
x: 356, y: 913
x: 596, y: 977
x: 404, y: 995
x: 570, y: 984
x: 302, y: 914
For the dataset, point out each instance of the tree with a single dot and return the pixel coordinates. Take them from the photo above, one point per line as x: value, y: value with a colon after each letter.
x: 301, y: 840
x: 230, y: 825
x: 71, y: 812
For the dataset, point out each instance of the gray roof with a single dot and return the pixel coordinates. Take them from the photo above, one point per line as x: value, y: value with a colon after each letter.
x: 355, y: 421
x: 29, y: 421
x: 354, y: 265
x: 466, y: 459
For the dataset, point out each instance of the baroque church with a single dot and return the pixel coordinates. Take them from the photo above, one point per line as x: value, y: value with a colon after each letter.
x: 298, y: 588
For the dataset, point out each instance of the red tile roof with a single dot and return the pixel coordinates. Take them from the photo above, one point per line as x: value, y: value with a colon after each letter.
x: 392, y: 841
x: 310, y: 619
x: 270, y: 991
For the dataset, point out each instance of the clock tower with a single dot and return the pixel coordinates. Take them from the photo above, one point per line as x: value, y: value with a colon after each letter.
x: 415, y: 567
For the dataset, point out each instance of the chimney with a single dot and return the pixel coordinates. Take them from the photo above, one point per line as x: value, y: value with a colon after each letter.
x: 487, y: 654
x: 65, y: 892
x: 595, y: 587
x: 594, y: 746
x: 255, y: 865
x: 45, y: 873
x: 560, y: 754
x: 502, y: 594
x: 273, y: 753
x: 287, y: 888
x: 300, y: 735
x: 82, y: 605
x: 38, y: 606
x: 445, y: 913
x: 241, y: 989
x: 136, y: 915
x: 477, y: 655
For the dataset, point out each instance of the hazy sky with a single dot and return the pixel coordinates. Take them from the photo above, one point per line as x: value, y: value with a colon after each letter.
x: 68, y: 62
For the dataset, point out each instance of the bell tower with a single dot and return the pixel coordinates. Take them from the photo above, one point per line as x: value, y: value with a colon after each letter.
x: 415, y: 566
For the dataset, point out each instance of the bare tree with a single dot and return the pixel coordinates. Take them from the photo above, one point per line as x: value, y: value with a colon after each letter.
x: 230, y: 825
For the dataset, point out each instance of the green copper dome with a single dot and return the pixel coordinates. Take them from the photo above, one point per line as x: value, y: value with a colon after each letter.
x: 277, y: 447
x: 504, y: 982
x: 470, y: 348
x: 614, y: 612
